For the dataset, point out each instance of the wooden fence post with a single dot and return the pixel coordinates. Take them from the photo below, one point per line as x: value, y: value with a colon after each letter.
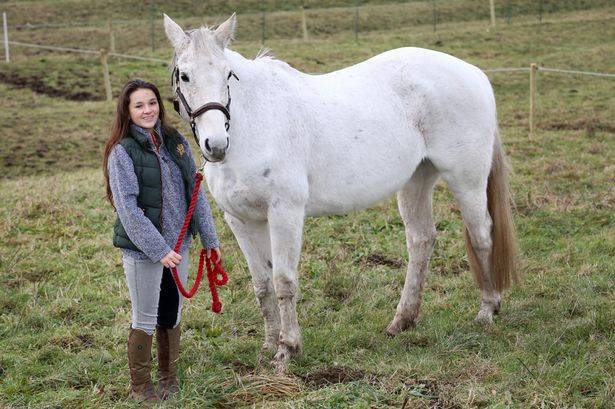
x: 106, y: 78
x: 533, y: 71
x: 304, y: 24
x: 492, y: 12
x: 7, y: 54
x: 111, y: 36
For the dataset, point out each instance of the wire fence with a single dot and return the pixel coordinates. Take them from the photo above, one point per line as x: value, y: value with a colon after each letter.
x: 104, y: 53
x: 273, y: 19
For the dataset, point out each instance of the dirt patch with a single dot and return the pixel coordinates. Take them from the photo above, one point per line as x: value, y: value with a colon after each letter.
x: 580, y: 125
x: 433, y: 393
x: 86, y: 339
x: 36, y: 84
x: 382, y: 260
x: 336, y: 374
x: 242, y: 368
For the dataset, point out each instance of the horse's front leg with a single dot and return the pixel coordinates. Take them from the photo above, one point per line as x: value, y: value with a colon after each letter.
x: 286, y: 229
x: 253, y: 239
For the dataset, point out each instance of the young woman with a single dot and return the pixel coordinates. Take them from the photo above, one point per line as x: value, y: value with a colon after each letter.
x: 149, y: 173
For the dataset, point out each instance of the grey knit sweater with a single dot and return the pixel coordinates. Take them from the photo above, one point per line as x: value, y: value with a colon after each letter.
x: 140, y: 230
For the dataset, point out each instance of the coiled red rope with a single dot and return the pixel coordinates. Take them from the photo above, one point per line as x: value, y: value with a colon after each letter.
x: 216, y: 276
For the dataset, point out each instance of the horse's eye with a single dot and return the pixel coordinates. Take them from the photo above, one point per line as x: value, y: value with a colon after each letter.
x: 184, y: 77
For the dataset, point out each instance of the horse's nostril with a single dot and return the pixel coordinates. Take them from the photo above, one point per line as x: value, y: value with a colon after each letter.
x: 207, y: 145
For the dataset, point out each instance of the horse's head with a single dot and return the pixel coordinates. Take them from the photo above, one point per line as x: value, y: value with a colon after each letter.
x: 200, y: 82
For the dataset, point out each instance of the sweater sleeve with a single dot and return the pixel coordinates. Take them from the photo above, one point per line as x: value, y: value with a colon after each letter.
x: 125, y: 190
x: 207, y: 227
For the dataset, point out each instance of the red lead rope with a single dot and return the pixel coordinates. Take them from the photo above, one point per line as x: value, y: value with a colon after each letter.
x: 215, y: 273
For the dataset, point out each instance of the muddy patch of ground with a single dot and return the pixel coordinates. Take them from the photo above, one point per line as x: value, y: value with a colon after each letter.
x: 36, y: 84
x: 324, y: 376
x: 580, y: 125
x: 431, y: 393
x: 377, y: 259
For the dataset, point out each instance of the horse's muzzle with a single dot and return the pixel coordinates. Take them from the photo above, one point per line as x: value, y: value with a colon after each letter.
x: 215, y: 153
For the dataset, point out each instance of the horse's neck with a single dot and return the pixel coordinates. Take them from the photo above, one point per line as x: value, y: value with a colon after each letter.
x: 260, y: 100
x: 261, y: 83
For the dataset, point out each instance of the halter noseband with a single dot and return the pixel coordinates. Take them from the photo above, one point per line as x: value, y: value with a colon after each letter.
x: 179, y: 97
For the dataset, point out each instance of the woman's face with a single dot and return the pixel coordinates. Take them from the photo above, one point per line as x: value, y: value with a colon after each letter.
x: 143, y: 108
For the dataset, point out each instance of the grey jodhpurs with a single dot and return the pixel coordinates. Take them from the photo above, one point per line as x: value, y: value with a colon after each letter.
x: 154, y: 296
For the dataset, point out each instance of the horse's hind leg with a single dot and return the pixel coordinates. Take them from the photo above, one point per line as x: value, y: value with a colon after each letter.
x: 414, y: 202
x: 469, y: 186
x: 253, y: 239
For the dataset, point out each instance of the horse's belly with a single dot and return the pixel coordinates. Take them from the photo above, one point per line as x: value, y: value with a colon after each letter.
x: 356, y: 181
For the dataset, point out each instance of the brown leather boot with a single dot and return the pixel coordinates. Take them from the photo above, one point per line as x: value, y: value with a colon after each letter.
x: 167, y: 341
x: 140, y: 364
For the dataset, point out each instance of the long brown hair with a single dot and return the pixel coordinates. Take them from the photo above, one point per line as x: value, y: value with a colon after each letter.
x: 121, y: 124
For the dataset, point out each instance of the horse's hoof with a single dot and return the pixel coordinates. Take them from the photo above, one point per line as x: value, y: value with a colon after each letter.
x: 263, y: 358
x: 398, y: 325
x: 280, y: 361
x: 282, y: 357
x: 280, y: 367
x: 484, y: 317
x: 269, y: 347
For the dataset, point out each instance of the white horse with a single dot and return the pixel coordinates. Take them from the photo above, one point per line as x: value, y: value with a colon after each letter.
x: 311, y: 145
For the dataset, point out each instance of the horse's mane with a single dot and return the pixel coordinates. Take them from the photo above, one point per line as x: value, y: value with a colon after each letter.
x: 264, y: 53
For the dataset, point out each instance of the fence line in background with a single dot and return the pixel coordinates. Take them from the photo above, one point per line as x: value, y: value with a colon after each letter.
x: 303, y: 15
x: 86, y: 51
x: 55, y: 48
x: 262, y: 10
x: 137, y: 57
x: 505, y: 69
x: 354, y: 10
x: 104, y: 54
x: 595, y: 74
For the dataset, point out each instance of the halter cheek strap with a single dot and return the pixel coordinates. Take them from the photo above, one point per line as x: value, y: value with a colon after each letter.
x: 179, y: 98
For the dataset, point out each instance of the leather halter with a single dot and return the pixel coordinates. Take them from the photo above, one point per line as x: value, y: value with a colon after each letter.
x: 179, y: 97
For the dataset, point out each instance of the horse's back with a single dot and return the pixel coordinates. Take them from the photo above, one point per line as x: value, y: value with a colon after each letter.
x: 450, y: 100
x: 428, y: 85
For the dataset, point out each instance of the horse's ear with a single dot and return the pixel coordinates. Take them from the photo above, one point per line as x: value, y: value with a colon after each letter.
x: 175, y: 33
x: 225, y: 32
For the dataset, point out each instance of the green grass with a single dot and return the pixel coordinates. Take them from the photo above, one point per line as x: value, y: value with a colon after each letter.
x: 65, y: 306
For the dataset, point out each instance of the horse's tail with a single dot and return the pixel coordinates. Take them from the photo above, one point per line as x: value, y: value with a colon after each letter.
x: 503, y: 262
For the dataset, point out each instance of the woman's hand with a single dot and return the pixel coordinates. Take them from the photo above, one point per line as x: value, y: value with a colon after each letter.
x: 172, y: 259
x: 217, y: 250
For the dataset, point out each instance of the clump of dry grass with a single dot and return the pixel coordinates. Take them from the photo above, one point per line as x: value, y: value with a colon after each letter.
x: 254, y: 388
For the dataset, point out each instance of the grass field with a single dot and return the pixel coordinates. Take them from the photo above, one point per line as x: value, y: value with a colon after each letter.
x: 65, y: 308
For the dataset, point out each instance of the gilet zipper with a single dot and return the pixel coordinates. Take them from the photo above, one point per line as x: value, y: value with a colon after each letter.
x: 156, y: 149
